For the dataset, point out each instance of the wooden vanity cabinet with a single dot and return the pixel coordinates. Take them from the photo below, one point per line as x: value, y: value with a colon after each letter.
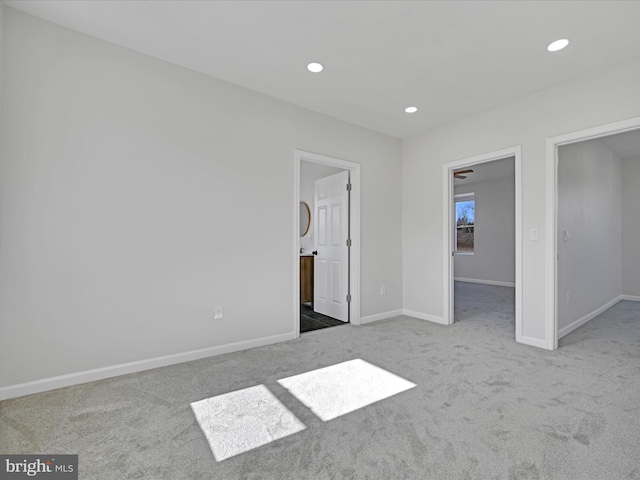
x: 306, y: 279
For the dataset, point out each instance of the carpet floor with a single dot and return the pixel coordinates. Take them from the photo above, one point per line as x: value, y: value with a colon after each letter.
x: 471, y: 405
x: 489, y: 308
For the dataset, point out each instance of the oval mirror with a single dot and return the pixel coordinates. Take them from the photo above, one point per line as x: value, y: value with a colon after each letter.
x: 305, y: 218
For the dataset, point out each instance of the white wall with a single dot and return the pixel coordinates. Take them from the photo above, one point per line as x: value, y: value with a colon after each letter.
x: 589, y: 209
x: 1, y: 64
x: 493, y: 259
x: 631, y: 226
x: 309, y: 173
x: 607, y: 96
x: 136, y: 195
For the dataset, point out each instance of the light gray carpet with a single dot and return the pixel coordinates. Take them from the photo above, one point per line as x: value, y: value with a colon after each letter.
x: 483, y: 407
x: 489, y: 308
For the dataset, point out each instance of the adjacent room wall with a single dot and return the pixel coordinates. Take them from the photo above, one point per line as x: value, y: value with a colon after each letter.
x: 136, y: 195
x: 589, y: 210
x: 493, y: 260
x: 607, y: 96
x: 631, y: 227
x: 309, y: 173
x: 1, y: 65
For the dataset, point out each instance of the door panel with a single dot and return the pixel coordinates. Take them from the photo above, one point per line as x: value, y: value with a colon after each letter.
x: 322, y: 226
x: 332, y: 259
x: 321, y: 287
x: 336, y: 225
x: 336, y: 268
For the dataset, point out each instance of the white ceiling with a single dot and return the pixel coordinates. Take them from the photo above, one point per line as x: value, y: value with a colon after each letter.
x: 449, y: 58
x: 483, y: 172
x: 624, y: 145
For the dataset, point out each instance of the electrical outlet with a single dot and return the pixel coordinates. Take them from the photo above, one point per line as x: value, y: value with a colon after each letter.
x: 219, y: 313
x: 383, y: 290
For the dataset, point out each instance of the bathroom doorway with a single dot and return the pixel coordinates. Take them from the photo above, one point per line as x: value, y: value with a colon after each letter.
x: 327, y: 239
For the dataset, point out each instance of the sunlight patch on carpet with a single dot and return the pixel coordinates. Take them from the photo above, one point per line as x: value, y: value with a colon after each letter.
x: 239, y: 421
x: 339, y: 389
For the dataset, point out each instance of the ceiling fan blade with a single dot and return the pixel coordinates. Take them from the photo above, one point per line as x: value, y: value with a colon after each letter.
x: 463, y: 171
x: 461, y: 177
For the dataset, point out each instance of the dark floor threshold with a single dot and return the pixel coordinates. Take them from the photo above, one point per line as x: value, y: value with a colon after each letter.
x: 310, y: 320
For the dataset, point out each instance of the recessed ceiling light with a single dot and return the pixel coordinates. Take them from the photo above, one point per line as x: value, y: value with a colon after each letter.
x: 315, y: 67
x: 411, y: 109
x: 558, y: 45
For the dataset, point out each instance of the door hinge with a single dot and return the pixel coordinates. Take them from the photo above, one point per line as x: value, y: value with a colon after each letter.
x: 348, y: 298
x: 348, y: 187
x: 348, y: 242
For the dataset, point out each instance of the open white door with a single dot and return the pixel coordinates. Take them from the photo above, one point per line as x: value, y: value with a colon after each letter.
x: 331, y: 265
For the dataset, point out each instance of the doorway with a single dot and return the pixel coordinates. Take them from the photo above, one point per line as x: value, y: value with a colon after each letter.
x: 326, y: 271
x: 592, y: 234
x: 481, y: 273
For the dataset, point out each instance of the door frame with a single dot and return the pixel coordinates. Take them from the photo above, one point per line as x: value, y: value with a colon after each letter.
x: 354, y: 227
x: 448, y: 238
x: 551, y: 243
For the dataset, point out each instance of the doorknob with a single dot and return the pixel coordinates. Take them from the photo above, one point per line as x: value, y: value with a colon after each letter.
x: 315, y: 252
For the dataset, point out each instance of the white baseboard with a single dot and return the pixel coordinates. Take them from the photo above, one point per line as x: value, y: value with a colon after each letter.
x: 380, y: 316
x: 534, y: 342
x: 633, y: 298
x: 424, y: 316
x: 133, y: 367
x: 486, y: 282
x: 582, y: 320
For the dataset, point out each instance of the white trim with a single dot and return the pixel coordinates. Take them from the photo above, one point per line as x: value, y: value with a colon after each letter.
x: 424, y: 316
x: 633, y: 298
x: 460, y: 196
x: 486, y: 282
x: 354, y: 264
x: 380, y: 316
x: 519, y: 260
x: 448, y: 247
x: 589, y: 316
x: 296, y: 243
x: 52, y: 383
x: 447, y: 215
x: 533, y: 342
x: 551, y: 310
